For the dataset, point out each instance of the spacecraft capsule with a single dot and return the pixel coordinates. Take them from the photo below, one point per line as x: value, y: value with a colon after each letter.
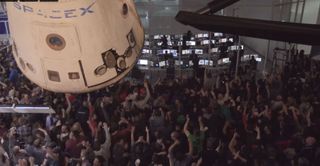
x: 75, y: 46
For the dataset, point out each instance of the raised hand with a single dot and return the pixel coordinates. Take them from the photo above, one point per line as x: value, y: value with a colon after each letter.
x: 235, y: 135
x: 67, y: 95
x: 237, y: 154
x: 105, y: 126
x: 257, y: 129
x: 187, y: 118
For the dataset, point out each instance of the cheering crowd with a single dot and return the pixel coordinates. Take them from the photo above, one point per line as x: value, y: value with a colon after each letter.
x: 249, y: 121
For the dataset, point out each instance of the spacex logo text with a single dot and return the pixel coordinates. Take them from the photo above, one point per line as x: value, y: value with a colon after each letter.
x: 55, y: 14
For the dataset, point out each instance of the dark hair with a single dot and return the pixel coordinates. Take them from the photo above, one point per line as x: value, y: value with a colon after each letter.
x: 76, y: 133
x: 100, y: 159
x: 178, y: 153
x: 4, y: 158
x: 157, y: 113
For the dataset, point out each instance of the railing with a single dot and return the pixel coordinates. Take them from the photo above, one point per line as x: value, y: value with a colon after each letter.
x: 27, y: 109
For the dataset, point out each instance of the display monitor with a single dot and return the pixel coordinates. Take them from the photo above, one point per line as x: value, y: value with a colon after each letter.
x: 225, y: 60
x: 214, y: 50
x: 218, y: 34
x: 202, y: 62
x: 191, y: 43
x: 247, y: 57
x: 186, y: 52
x: 166, y: 51
x: 170, y: 43
x: 210, y: 63
x: 143, y: 62
x: 157, y: 37
x: 162, y: 63
x: 205, y: 42
x: 176, y: 62
x: 179, y: 37
x: 224, y: 40
x: 199, y: 51
x: 259, y: 59
x: 146, y: 51
x: 233, y: 48
x: 202, y: 35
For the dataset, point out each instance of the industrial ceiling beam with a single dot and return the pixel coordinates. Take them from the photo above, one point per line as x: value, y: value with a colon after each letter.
x: 281, y: 31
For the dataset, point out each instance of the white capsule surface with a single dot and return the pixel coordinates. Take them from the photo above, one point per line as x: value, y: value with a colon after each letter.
x: 75, y: 46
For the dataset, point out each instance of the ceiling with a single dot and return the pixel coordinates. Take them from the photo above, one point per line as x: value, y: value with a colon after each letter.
x: 158, y: 16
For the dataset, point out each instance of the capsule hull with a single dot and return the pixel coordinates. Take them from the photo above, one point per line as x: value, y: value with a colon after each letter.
x: 75, y: 46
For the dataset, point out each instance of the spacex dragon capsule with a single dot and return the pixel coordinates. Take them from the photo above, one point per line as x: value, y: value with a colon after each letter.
x: 75, y: 46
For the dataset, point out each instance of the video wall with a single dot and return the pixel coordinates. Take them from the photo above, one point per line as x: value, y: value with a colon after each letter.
x: 210, y: 49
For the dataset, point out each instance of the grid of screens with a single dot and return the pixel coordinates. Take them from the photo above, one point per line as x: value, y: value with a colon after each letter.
x: 207, y: 46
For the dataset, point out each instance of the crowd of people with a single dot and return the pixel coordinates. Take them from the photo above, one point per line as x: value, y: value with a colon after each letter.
x: 249, y: 121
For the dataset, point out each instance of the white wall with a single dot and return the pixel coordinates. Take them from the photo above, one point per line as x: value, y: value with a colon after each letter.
x: 310, y: 16
x: 256, y: 10
x: 263, y: 9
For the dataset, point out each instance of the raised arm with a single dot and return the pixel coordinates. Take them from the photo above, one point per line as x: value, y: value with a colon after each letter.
x: 226, y: 95
x: 145, y: 100
x: 218, y: 82
x: 170, y: 155
x: 213, y: 95
x: 47, y: 137
x: 3, y: 84
x: 202, y: 127
x: 107, y: 143
x: 225, y: 127
x: 3, y: 71
x: 285, y: 108
x: 142, y: 103
x: 91, y: 112
x: 308, y: 118
x: 219, y: 146
x: 69, y: 104
x: 148, y: 135
x: 185, y: 127
x: 257, y: 129
x: 132, y: 135
x: 232, y: 144
x: 158, y: 81
x: 190, y: 152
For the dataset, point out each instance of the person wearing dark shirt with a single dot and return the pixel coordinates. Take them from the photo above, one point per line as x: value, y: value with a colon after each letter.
x: 253, y: 63
x: 73, y: 145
